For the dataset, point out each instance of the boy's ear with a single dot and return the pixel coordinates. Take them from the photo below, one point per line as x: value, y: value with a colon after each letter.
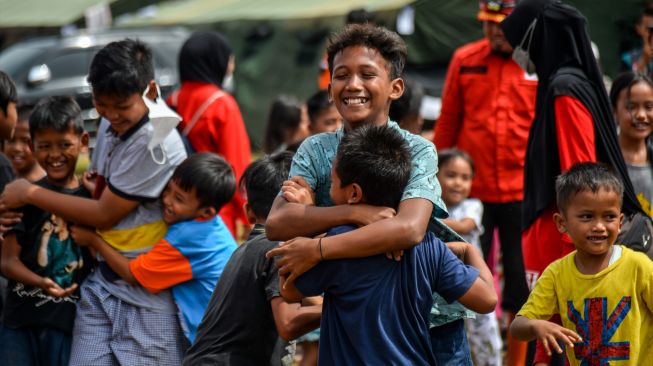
x: 251, y: 216
x: 621, y: 220
x: 329, y: 91
x: 152, y: 93
x: 84, y: 139
x: 207, y: 212
x: 397, y: 88
x: 561, y: 223
x: 354, y: 194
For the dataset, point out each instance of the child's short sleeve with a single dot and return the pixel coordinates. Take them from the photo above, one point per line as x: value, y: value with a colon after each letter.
x: 161, y: 267
x: 271, y: 281
x: 303, y: 164
x: 313, y: 162
x: 451, y: 278
x: 542, y: 303
x: 473, y: 209
x: 423, y: 182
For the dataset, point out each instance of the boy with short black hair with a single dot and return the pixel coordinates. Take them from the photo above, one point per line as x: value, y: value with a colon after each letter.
x: 8, y: 100
x: 602, y: 291
x: 18, y: 149
x: 323, y: 115
x: 39, y: 256
x: 190, y: 258
x: 247, y: 314
x: 366, y: 64
x: 359, y: 324
x: 8, y: 117
x: 117, y: 321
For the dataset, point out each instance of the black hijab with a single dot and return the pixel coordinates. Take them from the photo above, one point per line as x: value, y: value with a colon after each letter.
x: 565, y: 65
x: 204, y: 57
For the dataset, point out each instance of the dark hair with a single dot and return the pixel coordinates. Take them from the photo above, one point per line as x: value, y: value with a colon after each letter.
x: 446, y: 155
x: 121, y: 69
x: 378, y: 159
x: 625, y: 81
x: 58, y: 113
x: 262, y: 181
x: 409, y: 103
x: 389, y: 45
x: 24, y: 111
x: 585, y: 177
x: 360, y: 16
x: 210, y: 175
x: 317, y: 103
x: 284, y: 118
x: 647, y: 10
x: 7, y: 91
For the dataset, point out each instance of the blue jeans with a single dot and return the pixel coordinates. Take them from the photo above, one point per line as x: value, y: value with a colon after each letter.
x: 449, y: 344
x: 34, y: 347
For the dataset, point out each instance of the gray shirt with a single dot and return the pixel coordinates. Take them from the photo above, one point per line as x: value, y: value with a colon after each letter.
x: 133, y: 172
x: 642, y: 178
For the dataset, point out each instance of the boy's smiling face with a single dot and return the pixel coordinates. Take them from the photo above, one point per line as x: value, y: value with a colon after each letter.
x: 57, y: 153
x: 361, y: 87
x: 592, y: 220
x: 180, y: 205
x: 122, y: 113
x: 19, y: 149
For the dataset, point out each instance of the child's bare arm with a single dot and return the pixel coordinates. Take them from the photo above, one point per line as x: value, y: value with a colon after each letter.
x: 288, y: 220
x: 545, y: 331
x: 402, y: 231
x: 12, y: 267
x: 292, y: 319
x: 103, y: 213
x: 288, y: 290
x: 119, y: 263
x: 464, y: 226
x: 481, y: 296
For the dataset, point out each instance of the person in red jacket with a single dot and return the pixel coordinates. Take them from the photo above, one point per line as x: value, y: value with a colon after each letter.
x: 488, y: 105
x: 211, y: 119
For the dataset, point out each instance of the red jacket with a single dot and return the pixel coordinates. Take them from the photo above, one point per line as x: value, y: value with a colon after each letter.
x: 220, y: 130
x: 488, y: 105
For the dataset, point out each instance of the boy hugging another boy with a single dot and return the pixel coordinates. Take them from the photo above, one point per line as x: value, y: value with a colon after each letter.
x: 247, y: 315
x: 117, y: 322
x: 366, y: 64
x: 39, y: 257
x: 197, y: 246
x: 376, y: 311
x: 602, y: 291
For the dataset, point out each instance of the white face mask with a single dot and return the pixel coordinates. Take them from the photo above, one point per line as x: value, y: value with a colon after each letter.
x: 164, y: 120
x: 520, y: 55
x: 228, y: 83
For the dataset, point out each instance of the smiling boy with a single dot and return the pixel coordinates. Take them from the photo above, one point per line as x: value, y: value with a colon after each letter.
x: 127, y: 213
x: 197, y: 246
x: 602, y: 291
x: 366, y: 63
x: 39, y: 256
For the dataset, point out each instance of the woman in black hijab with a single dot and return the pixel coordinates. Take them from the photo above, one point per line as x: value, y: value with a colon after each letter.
x: 211, y: 118
x: 573, y: 120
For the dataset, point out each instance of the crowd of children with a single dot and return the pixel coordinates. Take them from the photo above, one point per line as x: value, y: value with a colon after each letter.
x: 359, y: 227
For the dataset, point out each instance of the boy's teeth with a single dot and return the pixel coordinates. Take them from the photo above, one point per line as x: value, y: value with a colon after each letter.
x: 351, y: 101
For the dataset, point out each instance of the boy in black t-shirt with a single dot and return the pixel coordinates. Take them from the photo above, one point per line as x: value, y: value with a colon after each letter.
x: 44, y: 265
x: 246, y: 314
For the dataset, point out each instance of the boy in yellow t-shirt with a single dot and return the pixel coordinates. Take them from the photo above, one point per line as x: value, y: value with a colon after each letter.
x: 603, y: 292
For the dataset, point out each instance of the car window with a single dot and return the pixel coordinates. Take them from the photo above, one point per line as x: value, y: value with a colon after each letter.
x: 14, y: 59
x: 71, y: 63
